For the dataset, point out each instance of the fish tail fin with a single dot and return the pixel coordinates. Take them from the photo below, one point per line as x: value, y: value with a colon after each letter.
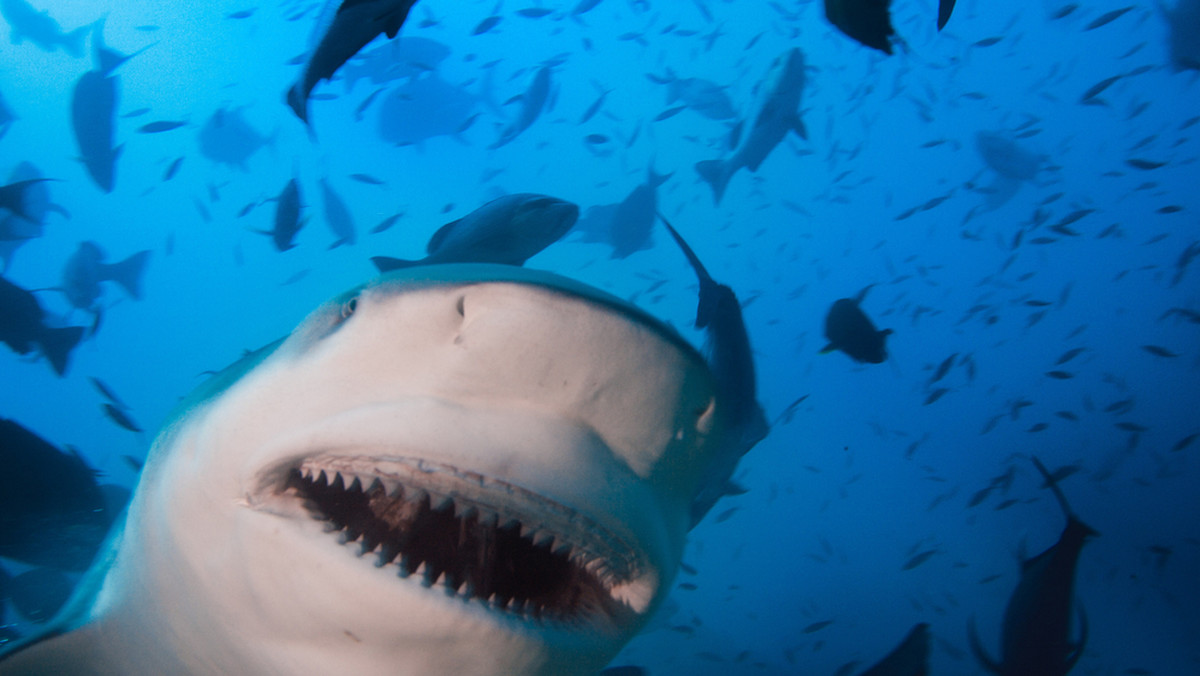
x: 298, y: 102
x: 57, y: 345
x: 797, y: 125
x: 1052, y: 483
x: 387, y: 264
x: 73, y: 41
x: 128, y: 273
x: 713, y: 172
x: 978, y: 650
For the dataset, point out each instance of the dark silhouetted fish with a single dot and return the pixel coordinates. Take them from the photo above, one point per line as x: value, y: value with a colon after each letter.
x: 910, y: 658
x: 629, y: 230
x: 703, y: 96
x: 287, y: 217
x: 732, y: 362
x: 774, y: 116
x: 1183, y: 28
x: 93, y: 109
x: 507, y: 230
x: 15, y: 197
x: 532, y: 102
x: 24, y: 327
x: 346, y: 27
x: 868, y: 22
x: 52, y: 512
x: 848, y: 329
x: 337, y: 216
x: 1037, y: 622
x: 86, y: 269
x: 26, y: 23
x: 227, y: 138
x: 1012, y: 163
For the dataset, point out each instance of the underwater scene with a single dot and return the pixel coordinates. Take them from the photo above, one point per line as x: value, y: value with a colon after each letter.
x: 940, y: 258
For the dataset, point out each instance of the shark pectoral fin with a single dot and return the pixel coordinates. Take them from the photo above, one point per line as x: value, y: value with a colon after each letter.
x: 828, y: 348
x: 977, y: 648
x: 797, y: 125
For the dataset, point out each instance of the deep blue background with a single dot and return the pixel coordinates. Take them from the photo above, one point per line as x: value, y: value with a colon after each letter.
x: 837, y: 503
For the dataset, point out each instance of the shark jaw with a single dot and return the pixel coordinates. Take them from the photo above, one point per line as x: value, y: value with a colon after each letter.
x: 453, y: 470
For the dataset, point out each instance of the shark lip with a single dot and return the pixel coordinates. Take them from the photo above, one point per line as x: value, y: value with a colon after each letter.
x: 475, y: 537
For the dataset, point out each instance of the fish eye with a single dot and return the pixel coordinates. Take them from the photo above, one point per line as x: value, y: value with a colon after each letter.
x: 349, y: 307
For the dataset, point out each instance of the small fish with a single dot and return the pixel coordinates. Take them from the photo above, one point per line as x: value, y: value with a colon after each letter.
x: 988, y: 42
x: 935, y: 395
x: 386, y: 223
x: 669, y: 113
x: 1108, y: 17
x: 368, y: 179
x: 1131, y: 427
x: 816, y: 626
x: 1145, y: 165
x: 486, y: 25
x: 120, y: 417
x: 172, y: 169
x: 1159, y: 351
x: 918, y: 559
x: 1060, y: 375
x: 1185, y: 442
x: 160, y: 126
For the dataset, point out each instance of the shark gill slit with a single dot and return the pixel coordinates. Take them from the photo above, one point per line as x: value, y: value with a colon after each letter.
x: 472, y: 550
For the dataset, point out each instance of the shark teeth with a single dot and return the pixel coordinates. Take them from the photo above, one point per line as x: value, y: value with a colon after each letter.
x: 472, y: 537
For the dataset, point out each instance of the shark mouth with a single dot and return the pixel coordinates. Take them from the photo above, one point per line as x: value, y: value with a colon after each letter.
x: 475, y: 537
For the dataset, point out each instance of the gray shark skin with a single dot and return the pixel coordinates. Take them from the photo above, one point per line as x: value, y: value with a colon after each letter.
x: 40, y: 29
x: 1035, y: 640
x: 732, y: 362
x: 355, y: 24
x: 93, y: 111
x: 532, y: 102
x: 508, y: 230
x: 775, y: 115
x: 457, y: 469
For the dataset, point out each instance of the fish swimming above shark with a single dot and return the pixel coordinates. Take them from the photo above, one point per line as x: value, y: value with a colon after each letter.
x: 86, y: 269
x: 732, y: 362
x: 507, y: 230
x: 24, y: 327
x: 94, y: 109
x: 346, y: 26
x: 26, y: 23
x: 775, y: 115
x: 850, y: 330
x: 533, y: 101
x: 454, y: 469
x: 1035, y: 639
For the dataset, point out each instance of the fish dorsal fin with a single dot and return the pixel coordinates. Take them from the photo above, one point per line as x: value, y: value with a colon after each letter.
x: 439, y: 238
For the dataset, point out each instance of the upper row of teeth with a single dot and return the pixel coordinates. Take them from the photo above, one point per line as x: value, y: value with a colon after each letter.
x: 595, y: 564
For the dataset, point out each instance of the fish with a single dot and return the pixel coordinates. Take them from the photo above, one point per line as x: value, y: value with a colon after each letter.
x: 24, y: 327
x: 1159, y: 351
x: 159, y: 126
x: 910, y: 658
x: 943, y: 368
x: 337, y: 216
x: 423, y: 108
x: 345, y: 27
x: 287, y: 221
x: 508, y: 230
x: 816, y: 626
x: 945, y: 9
x: 705, y: 97
x: 53, y: 513
x: 30, y: 195
x: 451, y: 406
x: 775, y: 115
x: 401, y: 58
x: 15, y: 196
x: 1037, y: 621
x: 532, y: 102
x: 27, y: 23
x: 7, y: 117
x: 848, y: 329
x: 731, y: 359
x: 1182, y: 20
x: 85, y: 269
x: 121, y: 418
x: 917, y: 559
x: 228, y: 138
x: 631, y: 224
x: 94, y: 108
x: 867, y: 22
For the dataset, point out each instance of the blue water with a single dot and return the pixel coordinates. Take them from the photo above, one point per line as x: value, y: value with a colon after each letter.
x: 865, y: 474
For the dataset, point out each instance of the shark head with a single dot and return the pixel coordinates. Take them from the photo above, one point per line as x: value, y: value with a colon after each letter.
x: 459, y: 469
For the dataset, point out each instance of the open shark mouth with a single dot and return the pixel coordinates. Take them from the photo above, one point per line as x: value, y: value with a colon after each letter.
x: 478, y: 538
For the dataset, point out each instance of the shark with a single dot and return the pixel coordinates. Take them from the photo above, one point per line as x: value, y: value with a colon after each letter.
x: 451, y: 469
x: 346, y: 26
x: 775, y: 115
x: 1035, y: 638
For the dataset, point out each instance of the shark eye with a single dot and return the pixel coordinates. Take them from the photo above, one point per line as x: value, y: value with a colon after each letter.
x: 349, y: 307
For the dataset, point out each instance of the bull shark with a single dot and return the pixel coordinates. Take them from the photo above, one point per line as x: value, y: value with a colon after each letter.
x: 452, y: 469
x: 1037, y: 622
x: 775, y: 115
x: 346, y: 27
